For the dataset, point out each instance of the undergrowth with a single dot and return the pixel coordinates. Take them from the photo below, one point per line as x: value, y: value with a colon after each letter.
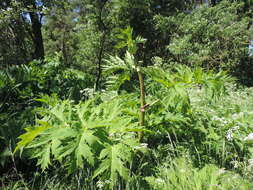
x: 191, y: 112
x: 180, y: 128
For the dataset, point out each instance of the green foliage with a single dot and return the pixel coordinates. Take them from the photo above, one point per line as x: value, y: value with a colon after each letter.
x: 21, y: 85
x: 83, y: 138
x: 114, y: 159
x: 88, y: 44
x: 14, y: 38
x: 119, y: 70
x: 85, y: 135
x: 57, y: 31
x: 180, y: 78
x: 126, y: 40
x: 99, y: 135
x: 199, y: 111
x: 228, y: 124
x: 180, y: 174
x: 215, y: 36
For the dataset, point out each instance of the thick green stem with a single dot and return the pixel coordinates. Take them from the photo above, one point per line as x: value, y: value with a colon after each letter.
x: 142, y: 102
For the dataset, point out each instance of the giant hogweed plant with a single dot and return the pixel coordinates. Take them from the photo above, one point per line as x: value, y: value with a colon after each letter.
x: 168, y: 88
x: 177, y: 81
x: 100, y: 136
x: 129, y: 65
x: 173, y: 109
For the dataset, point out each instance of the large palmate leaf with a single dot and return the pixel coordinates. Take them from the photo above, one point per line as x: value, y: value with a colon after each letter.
x: 114, y: 159
x: 50, y: 143
x: 85, y: 134
x: 183, y: 77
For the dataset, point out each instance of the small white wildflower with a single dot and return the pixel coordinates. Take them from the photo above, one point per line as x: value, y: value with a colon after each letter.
x: 144, y: 145
x: 249, y: 137
x: 229, y: 135
x: 182, y: 170
x: 132, y: 133
x: 250, y: 161
x: 216, y: 118
x: 100, y: 184
x: 234, y: 116
x: 159, y: 180
x: 107, y: 181
x: 221, y: 171
x: 235, y: 163
x: 237, y: 115
x: 225, y: 122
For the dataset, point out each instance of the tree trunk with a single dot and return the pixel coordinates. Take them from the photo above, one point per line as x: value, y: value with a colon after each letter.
x: 37, y: 34
x: 103, y: 29
x: 213, y: 2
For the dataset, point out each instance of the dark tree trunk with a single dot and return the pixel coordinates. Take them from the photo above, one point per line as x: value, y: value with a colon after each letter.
x: 37, y: 34
x: 213, y: 2
x: 103, y: 29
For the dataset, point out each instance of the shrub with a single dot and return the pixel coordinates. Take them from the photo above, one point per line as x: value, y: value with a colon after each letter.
x: 213, y: 37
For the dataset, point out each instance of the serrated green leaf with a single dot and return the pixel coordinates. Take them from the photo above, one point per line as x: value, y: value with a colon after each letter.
x: 84, y: 151
x: 113, y: 160
x: 43, y: 157
x: 30, y: 134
